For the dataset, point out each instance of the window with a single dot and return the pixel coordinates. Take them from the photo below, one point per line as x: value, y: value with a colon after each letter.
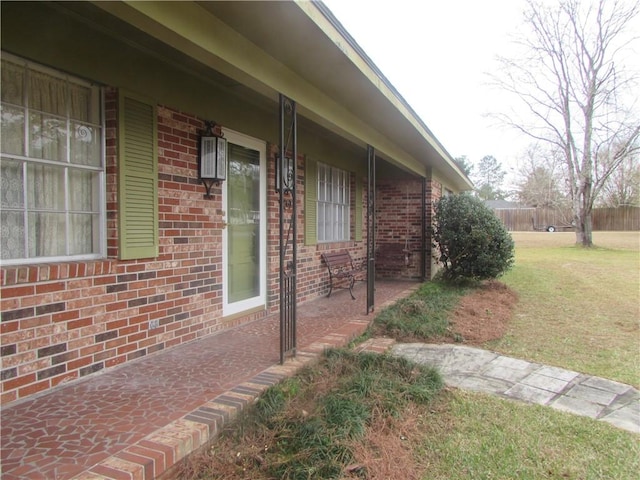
x: 52, y: 169
x: 333, y: 204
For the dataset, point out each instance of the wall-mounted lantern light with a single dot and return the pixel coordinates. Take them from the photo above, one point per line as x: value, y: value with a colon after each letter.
x: 213, y: 157
x: 286, y: 176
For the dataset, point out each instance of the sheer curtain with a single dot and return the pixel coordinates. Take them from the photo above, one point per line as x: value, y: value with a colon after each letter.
x: 45, y: 183
x: 12, y: 219
x: 12, y: 204
x: 84, y: 144
x: 49, y: 206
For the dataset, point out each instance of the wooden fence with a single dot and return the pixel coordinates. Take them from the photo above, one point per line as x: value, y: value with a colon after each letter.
x: 604, y: 219
x: 616, y: 219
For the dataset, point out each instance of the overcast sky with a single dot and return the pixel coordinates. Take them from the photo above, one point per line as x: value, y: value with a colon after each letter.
x: 437, y: 54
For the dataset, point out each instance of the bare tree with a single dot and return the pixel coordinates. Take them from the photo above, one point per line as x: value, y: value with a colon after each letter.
x: 622, y: 188
x: 541, y: 180
x: 570, y: 79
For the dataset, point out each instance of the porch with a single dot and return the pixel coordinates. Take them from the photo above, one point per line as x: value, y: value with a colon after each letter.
x: 138, y: 420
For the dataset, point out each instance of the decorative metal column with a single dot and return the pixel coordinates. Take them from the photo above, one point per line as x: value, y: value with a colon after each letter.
x: 286, y: 174
x: 426, y: 236
x: 371, y: 228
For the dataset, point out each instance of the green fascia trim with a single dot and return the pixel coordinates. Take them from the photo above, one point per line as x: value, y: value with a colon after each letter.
x: 330, y: 30
x: 193, y: 30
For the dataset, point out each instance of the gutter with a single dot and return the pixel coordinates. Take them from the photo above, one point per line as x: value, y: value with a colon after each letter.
x: 331, y: 18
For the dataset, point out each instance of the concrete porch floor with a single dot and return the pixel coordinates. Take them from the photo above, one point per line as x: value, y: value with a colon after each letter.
x: 138, y: 420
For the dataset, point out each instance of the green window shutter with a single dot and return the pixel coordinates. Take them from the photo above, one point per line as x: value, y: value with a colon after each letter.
x: 310, y: 202
x: 358, y: 226
x: 137, y: 178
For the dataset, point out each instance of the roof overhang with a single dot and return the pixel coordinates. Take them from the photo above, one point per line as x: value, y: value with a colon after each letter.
x: 299, y: 49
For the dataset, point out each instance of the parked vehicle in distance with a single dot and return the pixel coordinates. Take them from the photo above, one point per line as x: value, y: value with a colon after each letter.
x: 552, y: 228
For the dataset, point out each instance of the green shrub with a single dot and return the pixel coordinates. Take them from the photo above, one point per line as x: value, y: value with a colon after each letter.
x: 472, y: 242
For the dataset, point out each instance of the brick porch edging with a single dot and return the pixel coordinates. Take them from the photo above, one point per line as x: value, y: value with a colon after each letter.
x: 158, y: 454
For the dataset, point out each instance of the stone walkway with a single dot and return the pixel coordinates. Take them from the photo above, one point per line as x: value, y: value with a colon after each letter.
x: 138, y: 421
x: 489, y: 372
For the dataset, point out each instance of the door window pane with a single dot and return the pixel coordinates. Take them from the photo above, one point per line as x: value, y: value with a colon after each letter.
x: 243, y: 203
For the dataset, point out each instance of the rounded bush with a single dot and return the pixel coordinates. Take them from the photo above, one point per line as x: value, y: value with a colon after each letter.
x: 471, y: 242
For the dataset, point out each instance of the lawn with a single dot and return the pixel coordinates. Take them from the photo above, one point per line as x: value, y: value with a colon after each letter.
x: 368, y: 416
x: 473, y: 436
x: 376, y: 417
x: 335, y: 418
x: 578, y: 308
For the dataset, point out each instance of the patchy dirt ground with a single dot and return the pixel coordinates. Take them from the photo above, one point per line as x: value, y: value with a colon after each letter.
x: 483, y: 315
x: 386, y: 450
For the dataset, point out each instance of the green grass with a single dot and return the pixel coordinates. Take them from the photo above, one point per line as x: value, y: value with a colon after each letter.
x: 421, y: 316
x: 323, y: 421
x: 474, y: 436
x: 578, y: 309
x: 304, y: 427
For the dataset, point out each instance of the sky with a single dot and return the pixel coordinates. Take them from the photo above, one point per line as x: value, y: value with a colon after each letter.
x: 437, y: 54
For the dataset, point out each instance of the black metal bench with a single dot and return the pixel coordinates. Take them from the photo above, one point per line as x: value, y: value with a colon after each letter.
x: 342, y: 272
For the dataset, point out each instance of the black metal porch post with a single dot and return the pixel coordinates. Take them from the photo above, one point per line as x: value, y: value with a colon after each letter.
x: 371, y: 228
x: 425, y: 237
x: 286, y: 184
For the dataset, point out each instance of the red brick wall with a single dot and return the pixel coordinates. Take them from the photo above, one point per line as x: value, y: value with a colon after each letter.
x: 61, y: 322
x: 398, y: 228
x: 64, y: 321
x: 312, y: 274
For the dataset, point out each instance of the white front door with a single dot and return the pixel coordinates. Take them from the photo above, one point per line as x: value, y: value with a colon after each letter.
x: 244, y: 238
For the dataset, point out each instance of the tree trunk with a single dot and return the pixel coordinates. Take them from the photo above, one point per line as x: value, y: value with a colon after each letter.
x: 584, y: 232
x: 588, y: 231
x: 570, y: 78
x: 584, y: 225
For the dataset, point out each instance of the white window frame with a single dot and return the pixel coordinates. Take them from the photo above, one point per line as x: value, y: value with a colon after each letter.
x: 333, y: 204
x: 99, y: 226
x: 260, y: 300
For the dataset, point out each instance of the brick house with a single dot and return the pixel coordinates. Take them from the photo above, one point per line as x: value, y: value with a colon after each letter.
x: 111, y: 250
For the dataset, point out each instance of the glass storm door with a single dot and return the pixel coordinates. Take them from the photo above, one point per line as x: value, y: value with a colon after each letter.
x: 244, y: 238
